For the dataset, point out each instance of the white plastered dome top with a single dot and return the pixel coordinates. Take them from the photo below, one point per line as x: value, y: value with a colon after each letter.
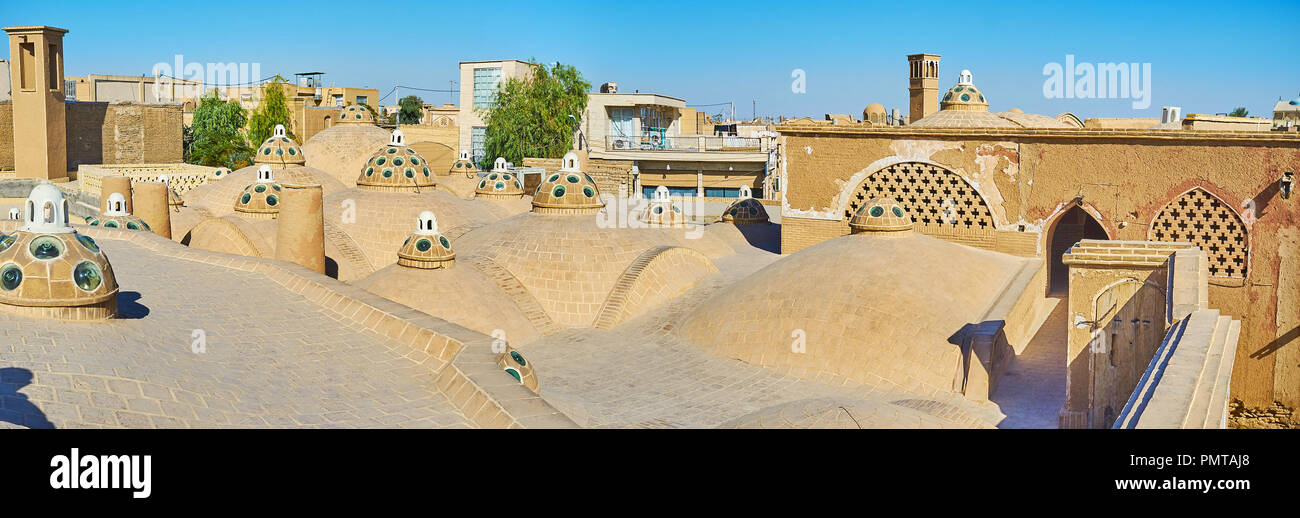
x: 397, y: 138
x: 500, y: 165
x: 47, y: 211
x: 265, y: 174
x: 428, y: 224
x: 116, y: 205
x: 569, y: 164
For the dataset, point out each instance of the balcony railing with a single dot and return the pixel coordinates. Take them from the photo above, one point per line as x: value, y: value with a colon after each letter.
x: 683, y: 143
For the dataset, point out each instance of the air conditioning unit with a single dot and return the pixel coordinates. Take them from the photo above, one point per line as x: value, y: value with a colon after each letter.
x: 622, y: 144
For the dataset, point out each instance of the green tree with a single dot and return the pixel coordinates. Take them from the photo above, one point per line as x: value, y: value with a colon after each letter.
x: 273, y: 109
x: 409, y: 109
x: 216, y: 133
x: 535, y: 117
x: 1239, y: 112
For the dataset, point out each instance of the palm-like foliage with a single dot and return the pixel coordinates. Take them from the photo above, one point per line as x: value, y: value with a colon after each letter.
x: 1239, y: 112
x: 536, y: 116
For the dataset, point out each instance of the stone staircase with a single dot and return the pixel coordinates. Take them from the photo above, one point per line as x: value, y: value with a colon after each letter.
x: 1186, y: 385
x: 611, y: 312
x: 514, y: 289
x: 348, y: 248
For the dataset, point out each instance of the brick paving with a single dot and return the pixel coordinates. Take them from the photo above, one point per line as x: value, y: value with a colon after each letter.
x: 1032, y: 389
x: 273, y: 359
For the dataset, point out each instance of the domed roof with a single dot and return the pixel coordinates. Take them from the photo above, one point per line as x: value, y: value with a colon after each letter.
x: 220, y: 173
x: 1294, y: 102
x: 116, y: 215
x: 426, y: 248
x: 940, y: 286
x: 279, y: 150
x: 880, y: 215
x: 47, y: 269
x: 964, y: 96
x: 342, y: 149
x: 661, y: 211
x: 567, y: 191
x: 518, y: 367
x: 260, y: 199
x: 499, y: 183
x: 395, y: 168
x: 355, y: 114
x: 874, y: 112
x: 463, y: 165
x: 746, y: 211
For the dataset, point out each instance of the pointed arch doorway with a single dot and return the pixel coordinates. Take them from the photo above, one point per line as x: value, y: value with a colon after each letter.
x: 1072, y: 226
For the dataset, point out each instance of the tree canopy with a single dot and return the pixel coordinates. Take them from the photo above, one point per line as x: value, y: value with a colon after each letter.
x: 410, y: 109
x: 536, y: 116
x: 1239, y: 112
x: 217, y: 133
x: 273, y: 109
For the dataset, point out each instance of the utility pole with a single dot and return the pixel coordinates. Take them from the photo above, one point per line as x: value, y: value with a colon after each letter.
x: 754, y: 114
x: 733, y: 111
x: 451, y: 92
x: 397, y: 117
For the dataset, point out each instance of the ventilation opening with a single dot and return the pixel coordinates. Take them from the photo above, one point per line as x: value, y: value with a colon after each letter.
x: 1202, y: 219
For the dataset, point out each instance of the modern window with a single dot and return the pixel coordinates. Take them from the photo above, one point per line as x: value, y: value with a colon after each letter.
x: 649, y: 191
x: 620, y: 128
x: 361, y: 99
x: 478, y: 143
x: 729, y: 192
x: 485, y: 86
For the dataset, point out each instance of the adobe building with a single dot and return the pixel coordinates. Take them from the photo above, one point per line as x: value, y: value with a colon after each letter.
x: 43, y: 135
x: 1033, y: 186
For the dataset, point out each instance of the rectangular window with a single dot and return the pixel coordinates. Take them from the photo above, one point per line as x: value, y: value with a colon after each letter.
x: 729, y: 192
x: 27, y: 66
x: 338, y: 100
x: 56, y: 82
x: 649, y: 191
x: 485, y: 86
x: 478, y: 143
x: 361, y: 99
x: 620, y: 128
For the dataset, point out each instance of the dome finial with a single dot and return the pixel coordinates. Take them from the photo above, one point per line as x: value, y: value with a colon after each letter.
x: 500, y: 165
x: 398, y: 139
x: 661, y: 193
x: 279, y: 130
x: 965, y: 78
x: 569, y: 164
x: 428, y: 224
x: 265, y: 174
x: 116, y: 205
x: 746, y: 192
x: 47, y: 210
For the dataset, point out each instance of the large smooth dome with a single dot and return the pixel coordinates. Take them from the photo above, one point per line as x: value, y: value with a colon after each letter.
x: 871, y: 310
x: 343, y: 149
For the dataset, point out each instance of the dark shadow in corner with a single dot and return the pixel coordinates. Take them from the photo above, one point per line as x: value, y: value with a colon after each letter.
x: 128, y: 305
x: 763, y: 236
x: 331, y: 268
x: 1277, y: 343
x: 17, y: 409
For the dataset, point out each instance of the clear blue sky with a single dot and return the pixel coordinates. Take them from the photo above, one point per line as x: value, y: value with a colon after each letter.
x: 1205, y: 57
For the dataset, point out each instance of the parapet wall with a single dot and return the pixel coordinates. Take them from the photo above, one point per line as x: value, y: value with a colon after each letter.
x: 181, y: 176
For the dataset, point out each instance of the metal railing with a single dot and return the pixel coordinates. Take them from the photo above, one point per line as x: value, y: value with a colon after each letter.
x: 655, y: 142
